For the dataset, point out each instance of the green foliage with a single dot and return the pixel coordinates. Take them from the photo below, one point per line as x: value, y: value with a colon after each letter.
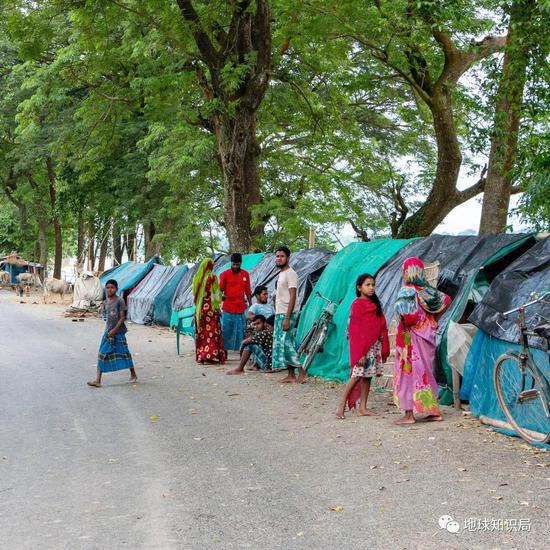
x: 113, y: 92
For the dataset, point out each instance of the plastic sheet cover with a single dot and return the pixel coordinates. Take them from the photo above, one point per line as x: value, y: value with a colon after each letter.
x: 141, y: 300
x: 129, y: 274
x: 512, y: 288
x: 162, y: 309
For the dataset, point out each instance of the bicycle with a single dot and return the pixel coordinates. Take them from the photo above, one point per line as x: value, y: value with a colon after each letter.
x: 521, y: 387
x: 315, y: 338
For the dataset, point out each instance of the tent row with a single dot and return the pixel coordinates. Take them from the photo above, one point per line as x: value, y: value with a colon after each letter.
x: 482, y: 275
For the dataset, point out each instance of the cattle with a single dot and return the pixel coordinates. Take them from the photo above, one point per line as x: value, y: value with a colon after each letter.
x: 5, y: 278
x: 28, y: 279
x: 55, y: 286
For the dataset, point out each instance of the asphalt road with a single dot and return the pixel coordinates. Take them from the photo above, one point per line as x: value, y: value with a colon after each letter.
x: 189, y: 458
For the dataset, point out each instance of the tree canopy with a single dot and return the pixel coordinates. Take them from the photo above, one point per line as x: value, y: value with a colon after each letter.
x: 131, y: 128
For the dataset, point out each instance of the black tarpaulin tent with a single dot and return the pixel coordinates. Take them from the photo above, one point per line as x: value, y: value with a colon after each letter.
x: 467, y: 265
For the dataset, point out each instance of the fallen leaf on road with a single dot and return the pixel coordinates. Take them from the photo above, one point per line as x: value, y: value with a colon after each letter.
x: 463, y: 469
x: 497, y: 498
x: 373, y: 467
x: 337, y: 509
x: 300, y: 534
x: 198, y: 438
x: 401, y: 480
x: 524, y: 503
x: 153, y: 418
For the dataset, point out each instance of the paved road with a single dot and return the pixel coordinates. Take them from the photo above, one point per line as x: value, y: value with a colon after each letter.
x: 190, y: 458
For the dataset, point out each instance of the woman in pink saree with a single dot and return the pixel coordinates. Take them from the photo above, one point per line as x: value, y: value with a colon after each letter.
x: 415, y: 389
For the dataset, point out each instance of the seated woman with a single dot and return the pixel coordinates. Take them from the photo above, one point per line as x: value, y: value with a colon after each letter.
x: 259, y: 346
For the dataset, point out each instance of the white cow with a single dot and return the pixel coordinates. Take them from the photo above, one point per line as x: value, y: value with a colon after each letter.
x: 55, y: 286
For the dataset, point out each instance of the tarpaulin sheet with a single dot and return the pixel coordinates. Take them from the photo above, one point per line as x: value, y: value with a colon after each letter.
x: 512, y: 288
x: 87, y: 291
x: 129, y: 274
x: 461, y: 258
x: 337, y: 283
x: 183, y: 298
x: 308, y: 264
x: 187, y: 314
x: 162, y: 309
x: 477, y: 384
x: 141, y: 300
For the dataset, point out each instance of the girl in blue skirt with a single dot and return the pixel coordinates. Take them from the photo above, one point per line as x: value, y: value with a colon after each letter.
x: 113, y: 351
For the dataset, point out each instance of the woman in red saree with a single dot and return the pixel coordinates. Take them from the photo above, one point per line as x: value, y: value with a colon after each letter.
x: 208, y: 331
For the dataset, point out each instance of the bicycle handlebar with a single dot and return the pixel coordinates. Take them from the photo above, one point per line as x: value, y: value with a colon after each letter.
x: 317, y: 293
x: 535, y: 301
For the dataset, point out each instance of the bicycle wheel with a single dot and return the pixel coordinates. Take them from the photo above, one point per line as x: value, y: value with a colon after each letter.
x: 317, y: 342
x: 307, y: 339
x: 523, y: 396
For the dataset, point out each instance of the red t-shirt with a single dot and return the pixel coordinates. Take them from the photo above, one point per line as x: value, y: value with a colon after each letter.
x: 235, y: 288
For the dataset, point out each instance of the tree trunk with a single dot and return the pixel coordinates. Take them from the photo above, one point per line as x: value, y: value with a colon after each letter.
x: 150, y: 247
x: 239, y: 152
x: 103, y: 248
x: 58, y: 237
x: 504, y: 140
x: 91, y: 248
x: 443, y: 196
x: 117, y: 244
x: 80, y: 244
x: 131, y: 246
x: 43, y: 244
x: 245, y: 43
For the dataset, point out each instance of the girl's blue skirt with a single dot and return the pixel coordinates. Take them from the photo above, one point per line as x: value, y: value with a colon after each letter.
x: 114, y: 354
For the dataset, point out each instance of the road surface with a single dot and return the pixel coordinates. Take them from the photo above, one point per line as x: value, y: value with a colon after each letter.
x: 189, y: 458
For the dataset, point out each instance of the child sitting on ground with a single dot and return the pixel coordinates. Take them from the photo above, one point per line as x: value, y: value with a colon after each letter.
x: 259, y: 346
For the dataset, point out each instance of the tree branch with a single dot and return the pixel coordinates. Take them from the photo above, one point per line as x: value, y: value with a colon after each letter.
x: 206, y: 48
x: 473, y: 190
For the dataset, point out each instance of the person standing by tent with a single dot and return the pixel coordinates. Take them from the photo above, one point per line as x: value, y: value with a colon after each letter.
x: 208, y: 331
x: 284, y: 349
x: 113, y: 350
x: 415, y: 389
x: 369, y: 345
x: 237, y: 296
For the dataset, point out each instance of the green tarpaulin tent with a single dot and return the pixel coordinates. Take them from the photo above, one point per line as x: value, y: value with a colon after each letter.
x: 337, y: 283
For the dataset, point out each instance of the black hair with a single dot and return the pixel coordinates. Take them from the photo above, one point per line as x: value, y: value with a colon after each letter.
x: 259, y: 289
x: 374, y: 298
x: 112, y: 282
x: 237, y: 258
x: 259, y: 317
x: 271, y: 320
x: 284, y: 249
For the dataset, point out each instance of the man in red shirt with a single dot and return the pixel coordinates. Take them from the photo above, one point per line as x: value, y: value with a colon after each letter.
x: 237, y: 296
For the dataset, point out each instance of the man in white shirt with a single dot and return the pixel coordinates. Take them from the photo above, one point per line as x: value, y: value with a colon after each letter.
x: 284, y: 349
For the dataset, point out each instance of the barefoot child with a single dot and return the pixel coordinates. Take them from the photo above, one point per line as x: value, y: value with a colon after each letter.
x: 368, y: 345
x: 113, y: 351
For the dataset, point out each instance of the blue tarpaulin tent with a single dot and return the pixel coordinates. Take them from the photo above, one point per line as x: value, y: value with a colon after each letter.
x: 162, y: 309
x: 141, y: 300
x: 128, y: 275
x: 510, y: 289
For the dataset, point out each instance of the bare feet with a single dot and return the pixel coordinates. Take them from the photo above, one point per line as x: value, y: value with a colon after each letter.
x: 366, y: 412
x: 253, y: 368
x: 434, y: 418
x: 340, y: 414
x: 133, y: 379
x: 94, y: 384
x: 405, y: 420
x: 235, y: 371
x: 302, y: 378
x: 288, y: 380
